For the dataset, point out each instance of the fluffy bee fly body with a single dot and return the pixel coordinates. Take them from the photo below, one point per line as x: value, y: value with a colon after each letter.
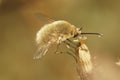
x: 54, y: 33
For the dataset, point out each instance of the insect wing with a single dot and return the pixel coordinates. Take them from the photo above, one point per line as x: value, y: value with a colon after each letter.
x: 41, y: 20
x: 43, y: 17
x: 42, y: 50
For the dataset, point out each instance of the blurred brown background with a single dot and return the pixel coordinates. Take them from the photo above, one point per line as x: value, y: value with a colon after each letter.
x: 18, y: 26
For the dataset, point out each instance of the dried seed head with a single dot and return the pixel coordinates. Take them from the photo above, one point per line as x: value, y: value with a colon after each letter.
x: 84, y: 56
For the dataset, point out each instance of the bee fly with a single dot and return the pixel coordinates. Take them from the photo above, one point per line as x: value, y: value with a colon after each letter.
x: 55, y: 33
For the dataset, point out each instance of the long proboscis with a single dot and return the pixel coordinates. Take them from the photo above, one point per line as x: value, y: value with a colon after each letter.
x: 99, y: 34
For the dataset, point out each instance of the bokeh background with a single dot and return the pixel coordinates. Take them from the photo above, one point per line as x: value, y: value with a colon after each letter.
x: 19, y: 24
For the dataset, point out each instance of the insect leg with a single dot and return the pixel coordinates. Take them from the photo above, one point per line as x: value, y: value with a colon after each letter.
x: 69, y: 53
x: 56, y: 51
x: 70, y: 44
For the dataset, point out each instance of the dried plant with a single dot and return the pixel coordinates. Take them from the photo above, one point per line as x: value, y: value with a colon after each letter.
x: 82, y: 57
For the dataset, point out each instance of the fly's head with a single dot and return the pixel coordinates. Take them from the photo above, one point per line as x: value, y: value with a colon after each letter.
x: 77, y: 32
